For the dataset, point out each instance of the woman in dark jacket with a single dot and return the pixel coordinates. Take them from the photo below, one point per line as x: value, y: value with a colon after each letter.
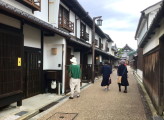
x: 122, y: 71
x: 106, y: 71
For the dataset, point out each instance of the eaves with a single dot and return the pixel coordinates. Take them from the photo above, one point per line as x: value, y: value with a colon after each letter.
x: 80, y: 42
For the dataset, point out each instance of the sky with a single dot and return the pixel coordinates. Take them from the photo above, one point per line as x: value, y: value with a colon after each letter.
x: 120, y: 18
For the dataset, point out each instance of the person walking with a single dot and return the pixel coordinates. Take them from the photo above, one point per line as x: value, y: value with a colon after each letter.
x: 75, y: 75
x: 122, y: 71
x: 106, y: 71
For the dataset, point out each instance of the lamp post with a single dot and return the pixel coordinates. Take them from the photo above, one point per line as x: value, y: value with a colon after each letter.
x: 99, y: 23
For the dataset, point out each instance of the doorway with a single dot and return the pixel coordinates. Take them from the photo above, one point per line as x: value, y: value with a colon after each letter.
x: 32, y: 72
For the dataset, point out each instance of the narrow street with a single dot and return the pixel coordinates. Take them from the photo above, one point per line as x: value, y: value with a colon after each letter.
x: 97, y: 104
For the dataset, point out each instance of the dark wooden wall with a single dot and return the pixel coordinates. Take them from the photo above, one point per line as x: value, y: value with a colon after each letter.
x: 32, y: 72
x: 151, y: 75
x: 140, y: 59
x: 161, y: 82
x: 11, y: 47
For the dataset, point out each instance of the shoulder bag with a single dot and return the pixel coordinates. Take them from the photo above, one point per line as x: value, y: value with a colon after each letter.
x: 120, y: 77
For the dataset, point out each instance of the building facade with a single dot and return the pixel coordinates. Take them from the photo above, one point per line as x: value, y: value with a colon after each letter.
x: 38, y: 38
x: 149, y: 36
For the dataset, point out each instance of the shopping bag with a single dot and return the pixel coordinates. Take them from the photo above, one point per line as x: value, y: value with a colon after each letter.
x: 119, y: 79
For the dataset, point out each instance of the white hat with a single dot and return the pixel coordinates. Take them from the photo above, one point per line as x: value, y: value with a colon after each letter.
x: 73, y: 60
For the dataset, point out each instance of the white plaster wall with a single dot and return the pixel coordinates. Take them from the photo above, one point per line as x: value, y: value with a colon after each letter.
x: 142, y: 33
x: 9, y: 21
x: 18, y: 5
x: 64, y: 63
x: 77, y: 55
x: 78, y: 28
x: 112, y: 52
x: 100, y: 57
x: 54, y: 12
x: 154, y: 41
x: 51, y: 61
x: 110, y: 47
x: 72, y: 19
x: 151, y: 12
x: 151, y: 17
x: 32, y: 36
x: 140, y: 73
x: 43, y: 14
x: 90, y: 59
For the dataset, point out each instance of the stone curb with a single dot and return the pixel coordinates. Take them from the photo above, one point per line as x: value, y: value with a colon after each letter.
x: 147, y: 98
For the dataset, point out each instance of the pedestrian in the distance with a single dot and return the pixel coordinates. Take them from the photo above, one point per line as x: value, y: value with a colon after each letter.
x: 106, y: 71
x: 75, y: 75
x: 122, y: 71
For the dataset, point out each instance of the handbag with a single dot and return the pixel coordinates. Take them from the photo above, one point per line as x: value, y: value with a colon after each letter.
x: 120, y: 77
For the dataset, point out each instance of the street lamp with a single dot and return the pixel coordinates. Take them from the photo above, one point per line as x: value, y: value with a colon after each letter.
x: 99, y: 23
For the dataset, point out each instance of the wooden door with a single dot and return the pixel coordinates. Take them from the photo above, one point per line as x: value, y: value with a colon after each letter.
x: 11, y: 47
x: 161, y: 81
x: 32, y: 75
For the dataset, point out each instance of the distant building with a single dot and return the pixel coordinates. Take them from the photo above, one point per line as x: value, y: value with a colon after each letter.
x: 114, y: 50
x: 125, y: 51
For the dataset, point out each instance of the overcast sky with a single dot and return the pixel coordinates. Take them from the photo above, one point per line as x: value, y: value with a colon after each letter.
x: 120, y: 17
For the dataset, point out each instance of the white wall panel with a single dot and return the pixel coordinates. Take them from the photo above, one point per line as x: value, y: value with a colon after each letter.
x: 89, y: 59
x: 52, y: 61
x: 32, y: 36
x: 72, y: 19
x: 78, y: 28
x: 53, y: 12
x: 154, y: 41
x: 43, y: 14
x: 10, y: 21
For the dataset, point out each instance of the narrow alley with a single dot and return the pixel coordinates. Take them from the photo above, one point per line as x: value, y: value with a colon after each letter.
x: 97, y: 104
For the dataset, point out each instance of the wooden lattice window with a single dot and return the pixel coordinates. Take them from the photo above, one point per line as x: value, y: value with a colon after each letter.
x: 35, y: 5
x: 64, y: 20
x: 83, y: 34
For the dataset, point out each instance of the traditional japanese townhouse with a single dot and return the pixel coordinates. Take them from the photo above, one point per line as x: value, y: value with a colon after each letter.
x: 79, y: 45
x: 125, y: 51
x: 38, y: 38
x: 114, y: 51
x: 132, y: 59
x: 145, y: 21
x: 150, y: 38
x: 23, y: 42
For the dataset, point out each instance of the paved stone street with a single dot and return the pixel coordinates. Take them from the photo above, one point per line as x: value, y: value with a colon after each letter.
x: 97, y: 104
